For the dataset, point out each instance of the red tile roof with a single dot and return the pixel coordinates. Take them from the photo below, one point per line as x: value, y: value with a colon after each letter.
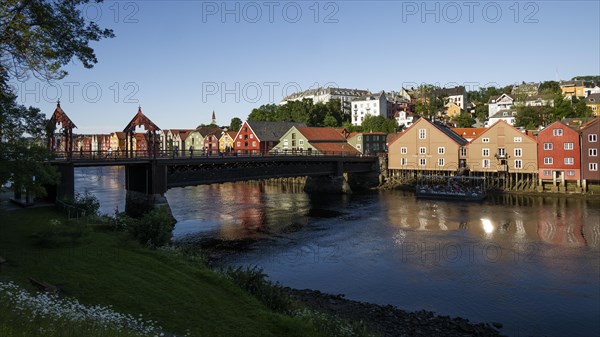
x: 468, y: 132
x: 338, y: 148
x: 321, y: 134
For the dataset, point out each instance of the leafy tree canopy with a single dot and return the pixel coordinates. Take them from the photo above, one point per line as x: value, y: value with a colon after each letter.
x: 235, y: 124
x: 320, y: 114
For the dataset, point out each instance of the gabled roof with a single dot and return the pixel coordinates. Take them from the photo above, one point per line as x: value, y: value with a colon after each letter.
x: 59, y: 116
x: 592, y: 99
x: 574, y: 128
x: 505, y: 123
x: 140, y: 120
x: 206, y: 130
x: 337, y: 147
x: 589, y: 124
x: 456, y: 91
x: 496, y: 98
x: 271, y: 131
x: 442, y: 128
x: 313, y: 134
x: 231, y: 134
x: 500, y: 113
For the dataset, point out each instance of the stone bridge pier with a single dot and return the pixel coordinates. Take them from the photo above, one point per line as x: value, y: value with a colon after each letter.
x: 146, y: 185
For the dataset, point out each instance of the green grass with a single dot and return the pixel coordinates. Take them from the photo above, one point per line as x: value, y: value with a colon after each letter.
x: 108, y: 268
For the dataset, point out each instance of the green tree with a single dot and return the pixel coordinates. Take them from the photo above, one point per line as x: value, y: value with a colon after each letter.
x: 235, y: 124
x: 580, y: 109
x: 529, y: 117
x: 550, y: 88
x: 264, y: 113
x: 36, y: 37
x: 465, y: 120
x: 379, y: 124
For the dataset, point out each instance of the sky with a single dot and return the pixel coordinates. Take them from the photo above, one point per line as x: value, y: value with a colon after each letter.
x: 181, y: 60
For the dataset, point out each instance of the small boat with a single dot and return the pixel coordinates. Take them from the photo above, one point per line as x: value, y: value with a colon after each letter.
x: 451, y: 188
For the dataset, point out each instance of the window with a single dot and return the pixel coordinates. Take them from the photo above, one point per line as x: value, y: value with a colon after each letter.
x: 593, y: 152
x: 518, y: 164
x: 422, y: 150
x: 548, y: 160
x: 547, y: 173
x: 403, y: 150
x: 557, y: 132
x: 501, y: 152
x: 518, y: 139
x: 422, y: 161
x: 285, y: 142
x: 239, y: 143
x: 570, y: 173
x: 548, y: 146
x: 403, y: 161
x: 485, y: 152
x: 518, y: 152
x: 357, y: 146
x: 569, y: 161
x: 441, y: 150
x: 568, y: 146
x: 592, y: 138
x: 593, y: 166
x: 302, y: 142
x: 485, y: 163
x: 440, y: 161
x: 251, y: 136
x: 359, y: 138
x: 422, y: 133
x: 485, y: 140
x: 463, y: 151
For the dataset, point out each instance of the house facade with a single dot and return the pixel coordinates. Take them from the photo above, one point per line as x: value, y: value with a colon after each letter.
x: 590, y: 146
x: 426, y: 146
x: 226, y: 141
x: 211, y: 143
x: 260, y: 137
x: 593, y: 101
x: 453, y: 110
x: 456, y: 95
x: 324, y: 95
x: 502, y: 148
x: 313, y: 140
x: 404, y: 118
x: 501, y: 102
x: 573, y: 88
x: 370, y: 105
x: 558, y: 154
x: 117, y: 141
x: 368, y: 142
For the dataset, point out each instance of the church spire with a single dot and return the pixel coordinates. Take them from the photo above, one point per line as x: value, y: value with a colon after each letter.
x: 214, y: 118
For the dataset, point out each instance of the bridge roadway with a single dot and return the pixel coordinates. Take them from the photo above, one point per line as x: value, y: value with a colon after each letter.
x: 155, y: 176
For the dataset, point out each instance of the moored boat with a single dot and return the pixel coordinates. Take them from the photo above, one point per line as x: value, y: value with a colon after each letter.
x: 451, y: 188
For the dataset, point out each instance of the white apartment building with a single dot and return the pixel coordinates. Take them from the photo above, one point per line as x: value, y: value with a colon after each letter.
x: 373, y: 105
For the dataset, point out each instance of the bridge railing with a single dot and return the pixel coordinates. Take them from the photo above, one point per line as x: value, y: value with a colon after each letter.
x: 107, y: 155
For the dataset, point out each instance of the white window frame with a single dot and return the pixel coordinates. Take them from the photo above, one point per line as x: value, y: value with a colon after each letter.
x: 486, y: 164
x: 485, y: 152
x: 518, y: 164
x: 422, y: 161
x: 568, y: 146
x: 518, y: 139
x: 403, y: 162
x: 441, y: 161
x: 592, y: 138
x: 422, y: 150
x: 557, y: 132
x: 518, y: 152
x: 485, y: 140
x: 403, y: 150
x: 422, y: 133
x: 593, y: 152
x: 441, y: 150
x: 593, y: 166
x: 548, y: 160
x: 547, y: 173
x: 569, y: 161
x: 548, y: 146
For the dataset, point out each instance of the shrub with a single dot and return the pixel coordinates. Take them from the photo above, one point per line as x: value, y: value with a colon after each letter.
x: 153, y: 229
x: 57, y: 234
x: 255, y: 282
x: 87, y: 202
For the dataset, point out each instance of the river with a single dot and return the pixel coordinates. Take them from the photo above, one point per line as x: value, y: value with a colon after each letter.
x: 529, y: 262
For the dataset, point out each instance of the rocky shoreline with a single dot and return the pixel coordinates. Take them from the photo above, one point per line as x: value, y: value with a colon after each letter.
x: 389, y: 321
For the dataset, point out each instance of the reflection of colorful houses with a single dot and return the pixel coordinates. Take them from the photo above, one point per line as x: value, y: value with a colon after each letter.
x: 562, y: 225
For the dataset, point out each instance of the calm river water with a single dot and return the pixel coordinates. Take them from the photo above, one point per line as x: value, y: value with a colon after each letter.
x: 531, y: 263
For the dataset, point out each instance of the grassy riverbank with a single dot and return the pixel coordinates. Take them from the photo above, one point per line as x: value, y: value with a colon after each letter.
x: 108, y: 268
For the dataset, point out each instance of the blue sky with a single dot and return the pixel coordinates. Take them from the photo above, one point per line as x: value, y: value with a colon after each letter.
x: 180, y: 60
